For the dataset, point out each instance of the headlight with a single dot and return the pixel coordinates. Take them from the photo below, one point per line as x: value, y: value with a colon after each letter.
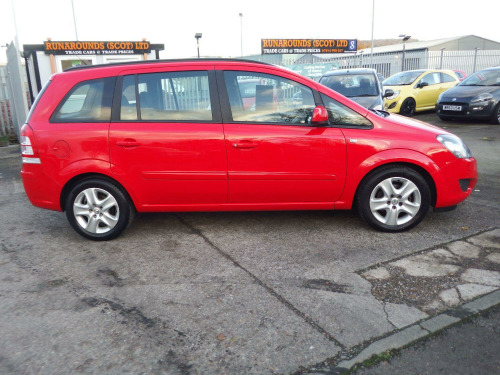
x: 396, y: 93
x: 378, y: 107
x: 456, y: 146
x: 482, y: 98
x: 440, y: 97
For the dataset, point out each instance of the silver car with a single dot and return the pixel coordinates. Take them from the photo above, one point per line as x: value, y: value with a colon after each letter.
x: 361, y: 85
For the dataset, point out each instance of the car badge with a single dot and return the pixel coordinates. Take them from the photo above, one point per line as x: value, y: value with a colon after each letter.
x: 454, y: 99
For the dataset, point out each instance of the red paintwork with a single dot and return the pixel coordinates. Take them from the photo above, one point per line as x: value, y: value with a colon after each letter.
x: 214, y: 166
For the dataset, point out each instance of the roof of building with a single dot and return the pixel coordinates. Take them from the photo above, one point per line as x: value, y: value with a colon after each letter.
x: 412, y: 46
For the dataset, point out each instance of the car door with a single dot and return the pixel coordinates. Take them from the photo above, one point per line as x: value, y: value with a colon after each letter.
x: 275, y: 156
x: 166, y: 138
x: 427, y: 95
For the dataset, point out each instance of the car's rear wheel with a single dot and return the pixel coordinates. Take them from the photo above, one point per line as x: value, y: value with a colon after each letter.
x: 98, y: 209
x: 393, y: 199
x: 495, y: 117
x: 408, y: 107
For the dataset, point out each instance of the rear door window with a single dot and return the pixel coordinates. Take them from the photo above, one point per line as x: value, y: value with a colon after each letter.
x: 447, y: 78
x: 168, y: 96
x: 88, y: 101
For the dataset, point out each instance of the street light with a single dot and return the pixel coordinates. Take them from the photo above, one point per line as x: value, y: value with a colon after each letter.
x: 405, y: 38
x: 241, y: 33
x: 198, y: 37
x: 373, y: 23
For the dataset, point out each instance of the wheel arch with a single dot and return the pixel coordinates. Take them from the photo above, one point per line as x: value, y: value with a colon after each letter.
x: 86, y: 176
x: 420, y: 170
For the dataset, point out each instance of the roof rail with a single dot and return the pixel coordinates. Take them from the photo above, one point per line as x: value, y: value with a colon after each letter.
x: 165, y: 61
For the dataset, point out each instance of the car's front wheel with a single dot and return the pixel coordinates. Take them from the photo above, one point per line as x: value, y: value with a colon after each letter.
x: 408, y: 107
x: 98, y: 209
x: 393, y: 199
x: 495, y: 117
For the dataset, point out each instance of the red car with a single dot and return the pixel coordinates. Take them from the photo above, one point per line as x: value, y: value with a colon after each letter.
x: 102, y: 142
x: 461, y: 75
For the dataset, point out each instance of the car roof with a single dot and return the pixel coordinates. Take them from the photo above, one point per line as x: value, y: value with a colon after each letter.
x: 171, y: 61
x: 493, y: 68
x: 350, y: 72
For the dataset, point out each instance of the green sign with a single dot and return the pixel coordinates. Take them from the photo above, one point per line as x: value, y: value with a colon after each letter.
x: 313, y: 70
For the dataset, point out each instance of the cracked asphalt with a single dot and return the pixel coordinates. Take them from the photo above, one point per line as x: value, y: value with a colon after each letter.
x: 229, y: 293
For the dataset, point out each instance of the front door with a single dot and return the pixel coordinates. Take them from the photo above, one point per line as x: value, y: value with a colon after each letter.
x: 274, y: 153
x: 166, y: 143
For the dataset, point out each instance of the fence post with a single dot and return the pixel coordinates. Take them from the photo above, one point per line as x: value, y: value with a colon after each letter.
x: 475, y: 59
x: 3, y: 128
x: 441, y: 59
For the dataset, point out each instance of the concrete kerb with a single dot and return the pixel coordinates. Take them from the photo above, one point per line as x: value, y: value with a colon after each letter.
x: 405, y: 337
x: 423, y: 251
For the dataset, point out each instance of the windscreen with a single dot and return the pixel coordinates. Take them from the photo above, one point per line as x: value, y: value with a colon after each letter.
x: 483, y: 78
x: 403, y: 78
x: 352, y: 85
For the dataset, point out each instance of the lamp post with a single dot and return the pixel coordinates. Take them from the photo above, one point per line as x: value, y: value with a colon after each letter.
x: 198, y: 37
x: 373, y: 23
x: 74, y: 19
x: 405, y: 38
x: 241, y: 33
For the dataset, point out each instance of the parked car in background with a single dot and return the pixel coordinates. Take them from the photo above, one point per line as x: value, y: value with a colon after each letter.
x: 360, y: 85
x: 128, y: 147
x: 477, y: 96
x: 461, y: 75
x: 417, y: 90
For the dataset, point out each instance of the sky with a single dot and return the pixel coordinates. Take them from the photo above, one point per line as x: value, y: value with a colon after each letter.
x: 175, y: 22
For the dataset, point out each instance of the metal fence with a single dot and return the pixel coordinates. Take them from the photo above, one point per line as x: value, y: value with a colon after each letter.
x: 6, y: 123
x: 388, y: 64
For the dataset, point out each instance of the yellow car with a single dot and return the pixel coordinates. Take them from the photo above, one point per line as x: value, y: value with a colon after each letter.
x: 416, y: 90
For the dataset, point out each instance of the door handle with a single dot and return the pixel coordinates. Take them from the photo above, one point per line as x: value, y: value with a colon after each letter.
x: 128, y: 143
x: 244, y: 144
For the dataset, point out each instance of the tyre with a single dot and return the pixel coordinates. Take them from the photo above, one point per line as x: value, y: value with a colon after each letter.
x: 98, y: 209
x: 495, y: 117
x: 393, y: 199
x: 408, y: 107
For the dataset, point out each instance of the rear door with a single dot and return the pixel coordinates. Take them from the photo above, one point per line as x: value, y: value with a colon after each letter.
x: 275, y: 155
x: 166, y: 139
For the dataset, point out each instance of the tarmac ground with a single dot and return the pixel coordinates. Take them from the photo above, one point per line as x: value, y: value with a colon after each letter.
x: 243, y: 292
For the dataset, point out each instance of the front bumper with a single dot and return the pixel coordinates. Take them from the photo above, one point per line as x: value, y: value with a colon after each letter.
x: 473, y: 111
x: 393, y: 105
x: 455, y: 182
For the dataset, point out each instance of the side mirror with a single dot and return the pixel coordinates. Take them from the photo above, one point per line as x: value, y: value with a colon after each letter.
x: 422, y: 84
x: 320, y: 116
x: 388, y: 92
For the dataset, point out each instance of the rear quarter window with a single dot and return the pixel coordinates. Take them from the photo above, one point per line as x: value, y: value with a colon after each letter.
x: 88, y: 101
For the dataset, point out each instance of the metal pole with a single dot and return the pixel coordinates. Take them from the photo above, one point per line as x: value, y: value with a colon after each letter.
x: 198, y: 46
x: 373, y: 23
x: 441, y: 60
x: 16, y: 39
x: 403, y: 59
x: 74, y: 19
x: 475, y: 59
x: 241, y: 33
